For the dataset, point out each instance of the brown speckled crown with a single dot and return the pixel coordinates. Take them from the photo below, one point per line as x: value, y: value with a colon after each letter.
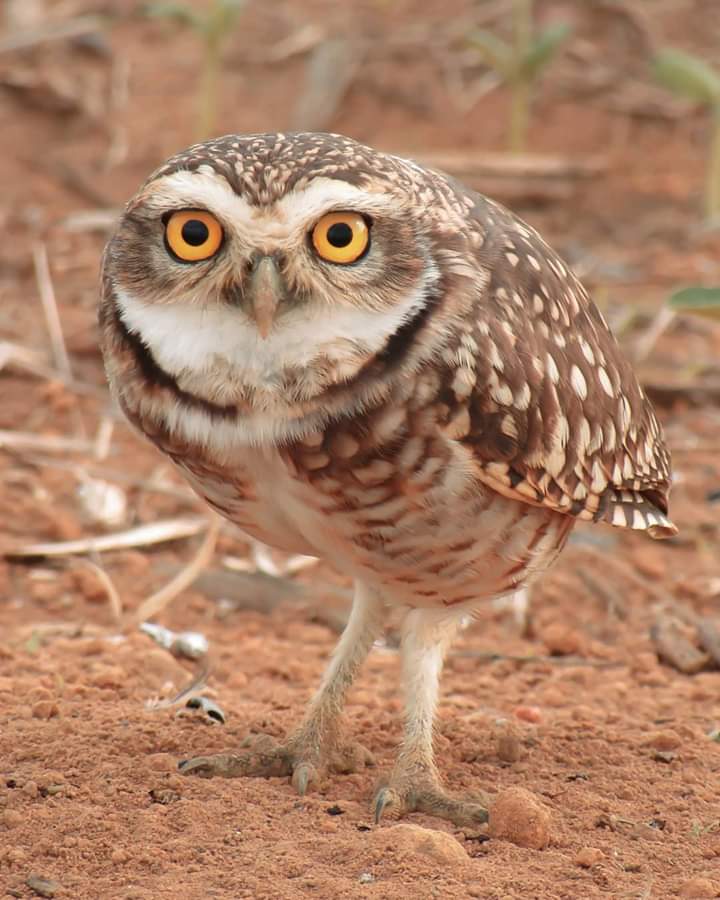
x: 264, y: 167
x: 529, y: 377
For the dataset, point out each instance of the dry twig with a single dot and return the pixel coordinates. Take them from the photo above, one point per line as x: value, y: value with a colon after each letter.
x: 142, y: 536
x: 330, y: 72
x: 110, y: 590
x: 49, y: 303
x: 196, y: 685
x: 56, y: 31
x: 696, y: 395
x: 184, y: 578
x: 25, y: 440
x: 515, y: 177
x: 33, y: 361
x: 491, y: 656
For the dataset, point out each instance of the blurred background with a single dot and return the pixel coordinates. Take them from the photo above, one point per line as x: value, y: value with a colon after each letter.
x: 598, y: 122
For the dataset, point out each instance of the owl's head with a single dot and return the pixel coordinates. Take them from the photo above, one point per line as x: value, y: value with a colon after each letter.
x: 275, y: 266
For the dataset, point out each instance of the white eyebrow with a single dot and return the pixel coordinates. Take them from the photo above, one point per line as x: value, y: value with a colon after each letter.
x: 302, y: 206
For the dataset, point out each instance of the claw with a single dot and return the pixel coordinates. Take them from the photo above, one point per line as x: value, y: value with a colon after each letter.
x: 198, y: 765
x: 301, y: 779
x: 385, y: 799
x: 224, y: 765
x: 429, y: 798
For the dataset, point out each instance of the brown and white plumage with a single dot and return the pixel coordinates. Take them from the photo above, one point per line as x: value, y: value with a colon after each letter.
x: 432, y: 417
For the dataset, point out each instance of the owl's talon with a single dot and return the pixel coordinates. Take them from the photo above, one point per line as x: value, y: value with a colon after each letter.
x: 223, y: 765
x: 429, y: 798
x: 264, y: 757
x: 304, y: 776
x: 261, y: 756
x: 387, y: 801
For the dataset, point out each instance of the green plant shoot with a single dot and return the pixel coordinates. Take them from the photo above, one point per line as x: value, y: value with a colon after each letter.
x: 521, y: 63
x: 213, y: 29
x: 694, y: 79
x: 702, y: 301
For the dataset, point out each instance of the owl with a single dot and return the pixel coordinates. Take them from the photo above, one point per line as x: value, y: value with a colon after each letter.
x: 353, y: 357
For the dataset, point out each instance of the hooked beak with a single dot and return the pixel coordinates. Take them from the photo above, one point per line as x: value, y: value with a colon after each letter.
x: 264, y: 292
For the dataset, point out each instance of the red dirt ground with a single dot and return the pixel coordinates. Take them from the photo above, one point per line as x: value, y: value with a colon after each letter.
x: 616, y: 744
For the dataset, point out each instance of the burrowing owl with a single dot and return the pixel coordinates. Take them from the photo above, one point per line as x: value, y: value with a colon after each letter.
x: 356, y: 358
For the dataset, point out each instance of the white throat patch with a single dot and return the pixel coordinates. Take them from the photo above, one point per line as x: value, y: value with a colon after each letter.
x: 186, y: 338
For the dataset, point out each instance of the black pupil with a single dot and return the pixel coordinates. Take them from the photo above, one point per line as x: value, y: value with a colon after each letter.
x: 340, y: 234
x: 195, y: 232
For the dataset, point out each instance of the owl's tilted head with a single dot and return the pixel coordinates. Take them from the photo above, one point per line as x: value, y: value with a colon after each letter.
x: 267, y: 269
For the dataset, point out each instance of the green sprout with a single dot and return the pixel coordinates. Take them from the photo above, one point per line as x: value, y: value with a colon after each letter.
x: 701, y: 301
x: 694, y: 79
x: 213, y: 29
x: 521, y: 63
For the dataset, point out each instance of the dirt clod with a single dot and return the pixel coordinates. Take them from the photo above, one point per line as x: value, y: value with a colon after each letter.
x: 45, y: 709
x: 588, y: 857
x: 697, y: 889
x: 519, y: 817
x: 666, y: 741
x: 413, y: 840
x: 507, y: 741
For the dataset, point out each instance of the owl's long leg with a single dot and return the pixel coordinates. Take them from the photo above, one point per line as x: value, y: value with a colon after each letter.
x: 414, y: 783
x: 315, y: 746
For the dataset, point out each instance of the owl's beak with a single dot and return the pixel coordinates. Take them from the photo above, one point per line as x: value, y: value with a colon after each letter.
x: 264, y: 292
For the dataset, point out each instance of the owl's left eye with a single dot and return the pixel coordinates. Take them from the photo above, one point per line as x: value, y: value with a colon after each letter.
x: 193, y: 234
x: 341, y: 237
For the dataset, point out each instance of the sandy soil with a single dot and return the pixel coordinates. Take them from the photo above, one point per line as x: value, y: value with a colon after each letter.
x: 573, y: 706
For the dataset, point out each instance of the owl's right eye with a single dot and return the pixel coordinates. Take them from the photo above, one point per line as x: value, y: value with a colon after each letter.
x: 193, y: 235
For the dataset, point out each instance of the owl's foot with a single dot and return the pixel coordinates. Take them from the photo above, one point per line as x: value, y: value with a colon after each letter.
x: 406, y: 792
x: 264, y: 757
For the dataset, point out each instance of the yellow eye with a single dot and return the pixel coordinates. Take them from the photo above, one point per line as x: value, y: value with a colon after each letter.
x: 193, y: 234
x: 341, y: 237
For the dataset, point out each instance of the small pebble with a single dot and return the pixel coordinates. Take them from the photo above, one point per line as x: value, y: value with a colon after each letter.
x: 519, y: 817
x: 528, y: 714
x: 562, y: 640
x: 588, y: 857
x: 43, y: 887
x: 30, y: 789
x: 366, y: 878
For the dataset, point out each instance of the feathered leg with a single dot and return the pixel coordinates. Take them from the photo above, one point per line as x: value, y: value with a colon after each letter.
x: 315, y: 747
x: 414, y: 783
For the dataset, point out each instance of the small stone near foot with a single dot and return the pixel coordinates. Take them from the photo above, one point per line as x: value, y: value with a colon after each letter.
x: 413, y: 840
x: 519, y: 817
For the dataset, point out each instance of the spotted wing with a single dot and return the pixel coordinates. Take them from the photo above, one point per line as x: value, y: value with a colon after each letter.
x: 557, y: 416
